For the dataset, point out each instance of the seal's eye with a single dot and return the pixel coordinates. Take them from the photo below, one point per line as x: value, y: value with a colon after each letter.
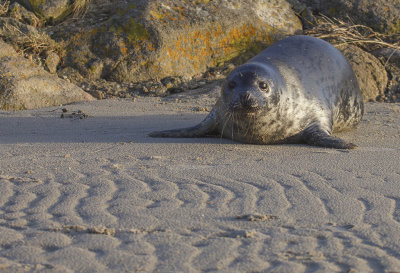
x: 263, y: 86
x: 231, y: 84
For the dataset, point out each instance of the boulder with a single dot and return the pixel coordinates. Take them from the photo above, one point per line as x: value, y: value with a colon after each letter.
x: 140, y: 40
x: 51, y: 61
x: 24, y: 85
x: 14, y: 31
x: 7, y: 50
x: 48, y: 9
x: 391, y: 58
x: 371, y: 74
x: 21, y: 14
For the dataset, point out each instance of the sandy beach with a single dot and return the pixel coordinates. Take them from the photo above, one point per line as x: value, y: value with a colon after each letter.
x: 98, y: 195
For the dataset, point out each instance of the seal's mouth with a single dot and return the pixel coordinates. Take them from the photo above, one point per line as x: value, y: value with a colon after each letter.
x: 240, y: 111
x: 244, y: 107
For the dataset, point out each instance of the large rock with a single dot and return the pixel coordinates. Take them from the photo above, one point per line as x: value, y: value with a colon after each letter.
x: 19, y: 13
x: 381, y: 15
x: 23, y: 85
x: 391, y: 58
x: 15, y: 31
x: 48, y: 9
x: 154, y: 39
x: 6, y: 50
x: 371, y: 74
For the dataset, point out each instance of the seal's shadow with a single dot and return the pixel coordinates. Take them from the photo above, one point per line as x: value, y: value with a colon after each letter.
x: 101, y: 129
x: 95, y: 129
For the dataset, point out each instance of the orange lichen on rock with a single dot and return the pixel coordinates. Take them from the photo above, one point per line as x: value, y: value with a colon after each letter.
x: 178, y: 38
x: 205, y: 48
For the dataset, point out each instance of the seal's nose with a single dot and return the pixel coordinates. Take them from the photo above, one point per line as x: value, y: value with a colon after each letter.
x: 244, y: 97
x: 246, y: 100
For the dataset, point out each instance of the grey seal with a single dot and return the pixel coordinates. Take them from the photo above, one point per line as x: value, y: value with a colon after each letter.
x: 299, y: 90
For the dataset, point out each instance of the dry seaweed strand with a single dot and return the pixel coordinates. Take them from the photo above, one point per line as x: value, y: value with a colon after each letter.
x: 340, y: 33
x: 4, y: 7
x: 33, y: 42
x: 28, y: 42
x: 80, y: 7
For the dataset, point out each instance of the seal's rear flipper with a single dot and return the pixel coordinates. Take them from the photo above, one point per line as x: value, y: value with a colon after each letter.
x: 318, y: 137
x: 207, y: 127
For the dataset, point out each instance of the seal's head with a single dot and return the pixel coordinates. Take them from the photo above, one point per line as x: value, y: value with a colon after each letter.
x: 250, y: 89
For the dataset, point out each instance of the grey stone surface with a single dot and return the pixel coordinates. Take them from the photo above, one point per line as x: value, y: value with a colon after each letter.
x: 370, y: 72
x: 48, y: 8
x: 24, y: 85
x: 142, y: 40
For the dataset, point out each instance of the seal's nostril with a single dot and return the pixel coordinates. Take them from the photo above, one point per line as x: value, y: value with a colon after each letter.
x: 245, y: 96
x: 243, y: 99
x: 246, y: 100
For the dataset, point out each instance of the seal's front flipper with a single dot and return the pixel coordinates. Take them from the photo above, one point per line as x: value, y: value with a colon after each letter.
x: 318, y: 137
x: 207, y: 127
